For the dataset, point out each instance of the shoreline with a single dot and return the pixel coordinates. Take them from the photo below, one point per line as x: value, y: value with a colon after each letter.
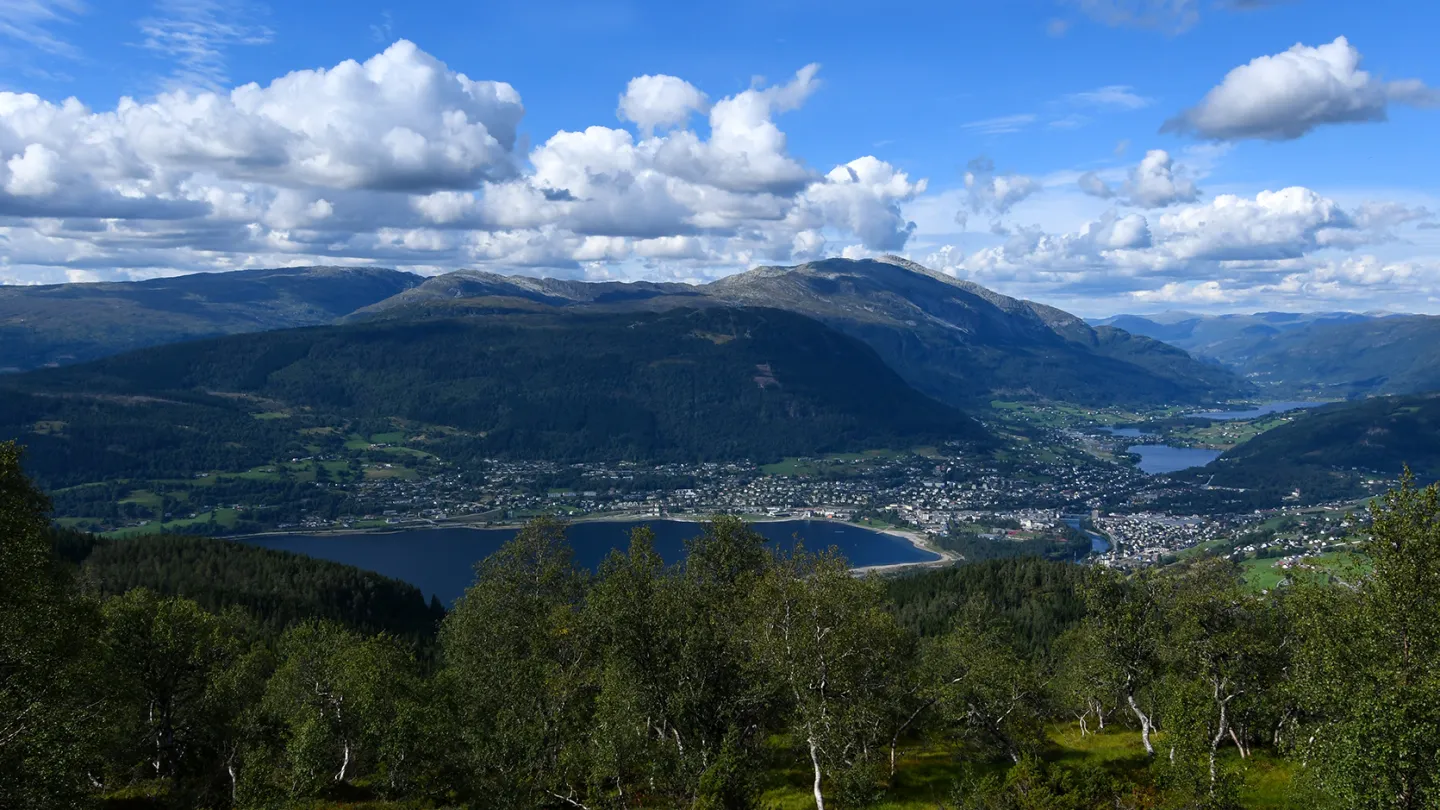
x: 917, y: 539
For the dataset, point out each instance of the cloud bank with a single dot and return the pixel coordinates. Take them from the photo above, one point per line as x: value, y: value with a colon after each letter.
x: 401, y: 160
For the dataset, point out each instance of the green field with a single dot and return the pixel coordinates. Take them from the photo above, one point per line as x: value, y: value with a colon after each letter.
x: 1263, y: 573
x: 836, y: 464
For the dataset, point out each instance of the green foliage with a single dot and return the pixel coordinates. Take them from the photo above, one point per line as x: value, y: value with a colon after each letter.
x: 1368, y: 664
x: 824, y: 645
x: 277, y: 588
x: 1036, y: 598
x: 701, y: 685
x: 513, y: 658
x: 984, y: 689
x: 48, y: 715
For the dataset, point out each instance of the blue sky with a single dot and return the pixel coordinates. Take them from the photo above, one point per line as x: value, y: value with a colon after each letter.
x: 1002, y: 109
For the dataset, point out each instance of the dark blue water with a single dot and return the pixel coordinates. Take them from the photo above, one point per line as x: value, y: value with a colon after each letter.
x: 1255, y: 413
x: 1162, y: 458
x: 1129, y: 433
x: 442, y: 561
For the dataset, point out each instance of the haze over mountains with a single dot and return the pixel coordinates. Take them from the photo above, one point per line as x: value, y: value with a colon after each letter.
x: 1330, y: 354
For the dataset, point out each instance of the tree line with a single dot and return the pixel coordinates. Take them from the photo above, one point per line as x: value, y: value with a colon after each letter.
x: 700, y: 684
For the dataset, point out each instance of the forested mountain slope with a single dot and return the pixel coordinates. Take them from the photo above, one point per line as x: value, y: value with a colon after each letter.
x: 1329, y: 452
x: 951, y: 339
x: 723, y: 383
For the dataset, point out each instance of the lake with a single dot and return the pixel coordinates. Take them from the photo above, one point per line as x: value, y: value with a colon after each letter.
x: 1255, y: 413
x: 1162, y: 458
x: 442, y: 561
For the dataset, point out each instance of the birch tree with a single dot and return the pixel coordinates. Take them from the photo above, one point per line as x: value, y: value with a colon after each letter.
x: 824, y: 642
x: 1367, y: 666
x: 984, y: 690
x: 1123, y: 613
x: 519, y: 670
x: 335, y: 694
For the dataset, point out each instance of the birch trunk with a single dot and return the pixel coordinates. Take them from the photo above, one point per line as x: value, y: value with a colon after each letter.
x: 344, y: 764
x: 815, y: 762
x: 1144, y: 725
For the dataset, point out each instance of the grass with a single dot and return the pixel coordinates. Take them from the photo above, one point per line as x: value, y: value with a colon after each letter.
x: 928, y: 770
x: 1261, y: 573
x: 835, y: 463
x: 225, y: 517
x: 924, y: 780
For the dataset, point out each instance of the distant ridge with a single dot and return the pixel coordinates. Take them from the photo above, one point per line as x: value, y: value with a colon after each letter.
x: 1321, y: 354
x: 952, y: 339
x: 60, y: 324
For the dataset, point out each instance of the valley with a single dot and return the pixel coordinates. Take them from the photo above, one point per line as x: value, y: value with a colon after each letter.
x: 446, y: 405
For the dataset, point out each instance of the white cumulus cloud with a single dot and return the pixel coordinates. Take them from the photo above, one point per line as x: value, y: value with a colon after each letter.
x: 1286, y: 95
x: 651, y: 102
x: 402, y: 161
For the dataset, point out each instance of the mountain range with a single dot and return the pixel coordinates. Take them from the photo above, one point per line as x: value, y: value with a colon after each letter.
x: 956, y: 341
x: 953, y: 340
x: 1330, y: 354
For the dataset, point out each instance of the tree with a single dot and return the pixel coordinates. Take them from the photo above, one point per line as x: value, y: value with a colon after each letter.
x: 1220, y: 644
x: 1084, y: 683
x: 50, y: 700
x: 516, y: 665
x: 824, y: 643
x: 334, y: 696
x: 1367, y: 666
x: 161, y: 656
x: 983, y: 688
x: 1124, y: 616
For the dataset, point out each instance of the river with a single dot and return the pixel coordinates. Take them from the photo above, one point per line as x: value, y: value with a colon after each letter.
x: 1098, y: 543
x: 442, y: 561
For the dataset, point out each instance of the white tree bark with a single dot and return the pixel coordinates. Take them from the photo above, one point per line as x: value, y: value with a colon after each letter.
x: 815, y: 762
x: 344, y: 764
x: 1144, y: 725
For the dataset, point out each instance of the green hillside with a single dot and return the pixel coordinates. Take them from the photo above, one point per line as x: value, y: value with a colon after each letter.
x: 1330, y: 452
x: 679, y: 385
